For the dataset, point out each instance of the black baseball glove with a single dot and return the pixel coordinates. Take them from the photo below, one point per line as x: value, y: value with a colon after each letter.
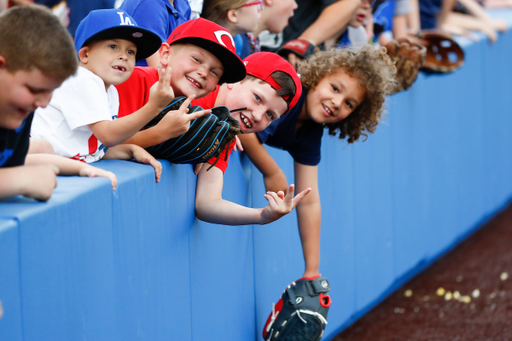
x: 301, y: 313
x: 205, y: 139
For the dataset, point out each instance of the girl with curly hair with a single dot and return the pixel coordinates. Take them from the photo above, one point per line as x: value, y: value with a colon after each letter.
x: 344, y: 92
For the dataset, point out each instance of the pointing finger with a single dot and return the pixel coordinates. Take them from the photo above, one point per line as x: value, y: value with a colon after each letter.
x: 197, y: 114
x: 300, y: 196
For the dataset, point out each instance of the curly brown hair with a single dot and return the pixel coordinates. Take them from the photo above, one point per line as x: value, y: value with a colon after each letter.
x: 375, y: 72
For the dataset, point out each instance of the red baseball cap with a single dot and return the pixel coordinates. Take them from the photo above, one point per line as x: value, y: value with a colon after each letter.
x: 214, y: 39
x: 262, y: 64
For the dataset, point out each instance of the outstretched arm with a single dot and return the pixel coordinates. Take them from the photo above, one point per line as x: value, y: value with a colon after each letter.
x: 330, y: 24
x: 273, y: 176
x: 211, y: 207
x: 112, y: 133
x: 131, y: 151
x: 446, y: 8
x: 309, y: 216
x: 308, y: 209
x: 35, y: 182
x: 67, y: 166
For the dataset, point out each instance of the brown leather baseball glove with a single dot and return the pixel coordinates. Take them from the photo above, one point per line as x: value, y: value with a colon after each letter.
x: 409, y: 58
x: 444, y: 55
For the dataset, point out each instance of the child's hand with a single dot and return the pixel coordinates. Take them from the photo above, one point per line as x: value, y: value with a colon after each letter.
x: 142, y: 156
x: 177, y: 122
x: 238, y: 145
x: 39, y: 181
x: 161, y: 93
x: 197, y: 168
x: 280, y: 205
x: 92, y: 172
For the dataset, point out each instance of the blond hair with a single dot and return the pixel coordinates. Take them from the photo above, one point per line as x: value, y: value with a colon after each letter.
x: 374, y: 71
x: 32, y: 37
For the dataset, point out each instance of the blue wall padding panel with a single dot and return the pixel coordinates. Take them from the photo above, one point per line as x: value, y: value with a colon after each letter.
x: 10, y: 291
x: 135, y: 263
x: 222, y: 270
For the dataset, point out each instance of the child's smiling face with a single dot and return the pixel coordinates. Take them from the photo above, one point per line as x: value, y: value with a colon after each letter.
x: 21, y: 92
x: 113, y: 60
x: 334, y: 98
x: 261, y: 101
x: 195, y: 71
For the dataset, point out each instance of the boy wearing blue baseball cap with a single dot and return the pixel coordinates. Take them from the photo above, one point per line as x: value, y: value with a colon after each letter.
x: 36, y: 56
x: 80, y: 120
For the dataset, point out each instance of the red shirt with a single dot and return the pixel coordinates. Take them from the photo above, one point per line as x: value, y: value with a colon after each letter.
x: 134, y: 93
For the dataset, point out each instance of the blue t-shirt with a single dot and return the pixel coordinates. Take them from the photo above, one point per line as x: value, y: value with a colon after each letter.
x: 14, y: 144
x: 78, y: 9
x: 158, y: 16
x: 383, y: 13
x: 429, y: 9
x: 303, y: 144
x: 246, y: 45
x: 344, y: 41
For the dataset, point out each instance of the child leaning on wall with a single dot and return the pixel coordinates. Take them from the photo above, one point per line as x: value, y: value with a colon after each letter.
x: 343, y: 91
x: 80, y: 120
x: 201, y: 55
x: 36, y: 56
x: 270, y: 90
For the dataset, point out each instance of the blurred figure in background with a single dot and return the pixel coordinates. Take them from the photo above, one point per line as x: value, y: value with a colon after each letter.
x: 159, y: 16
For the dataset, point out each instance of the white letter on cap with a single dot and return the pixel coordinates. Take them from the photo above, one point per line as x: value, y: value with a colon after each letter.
x: 219, y: 34
x: 124, y: 21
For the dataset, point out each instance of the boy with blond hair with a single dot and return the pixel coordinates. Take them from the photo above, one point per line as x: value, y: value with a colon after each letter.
x: 36, y: 56
x: 80, y: 120
x: 201, y: 54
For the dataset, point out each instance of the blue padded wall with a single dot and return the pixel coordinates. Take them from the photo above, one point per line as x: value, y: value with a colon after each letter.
x: 135, y: 263
x: 10, y: 291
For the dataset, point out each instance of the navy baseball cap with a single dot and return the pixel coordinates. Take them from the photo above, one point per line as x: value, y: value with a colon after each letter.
x: 106, y: 24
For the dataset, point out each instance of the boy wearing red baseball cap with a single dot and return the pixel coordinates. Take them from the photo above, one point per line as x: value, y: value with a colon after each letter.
x: 271, y: 88
x: 201, y: 55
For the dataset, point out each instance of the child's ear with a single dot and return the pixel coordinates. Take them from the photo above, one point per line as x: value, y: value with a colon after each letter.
x: 83, y: 54
x: 232, y: 16
x: 3, y: 62
x: 164, y: 52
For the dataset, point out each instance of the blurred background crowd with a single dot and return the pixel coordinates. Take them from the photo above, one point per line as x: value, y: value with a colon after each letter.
x: 269, y: 24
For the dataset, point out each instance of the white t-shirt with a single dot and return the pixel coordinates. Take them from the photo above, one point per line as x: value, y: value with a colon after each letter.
x: 81, y: 100
x: 357, y: 36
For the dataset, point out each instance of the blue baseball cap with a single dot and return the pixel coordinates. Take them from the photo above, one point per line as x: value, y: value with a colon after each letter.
x: 106, y: 24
